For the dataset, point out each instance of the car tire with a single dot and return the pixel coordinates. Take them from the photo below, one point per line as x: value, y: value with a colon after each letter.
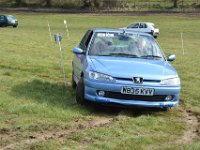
x: 73, y: 83
x: 80, y: 92
x: 14, y: 26
x: 167, y: 108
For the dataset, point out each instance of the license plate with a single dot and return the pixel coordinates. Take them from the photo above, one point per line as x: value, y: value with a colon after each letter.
x: 137, y: 91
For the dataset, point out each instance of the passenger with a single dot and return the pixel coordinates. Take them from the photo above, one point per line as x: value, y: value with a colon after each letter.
x: 133, y: 48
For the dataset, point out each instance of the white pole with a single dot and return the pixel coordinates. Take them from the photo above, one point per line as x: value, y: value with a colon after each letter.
x: 50, y: 31
x: 182, y: 43
x: 62, y: 63
x: 67, y: 31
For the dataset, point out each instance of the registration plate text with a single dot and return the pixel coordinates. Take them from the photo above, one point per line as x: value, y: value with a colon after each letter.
x: 137, y: 91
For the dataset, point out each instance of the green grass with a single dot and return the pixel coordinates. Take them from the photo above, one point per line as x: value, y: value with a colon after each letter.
x: 33, y: 97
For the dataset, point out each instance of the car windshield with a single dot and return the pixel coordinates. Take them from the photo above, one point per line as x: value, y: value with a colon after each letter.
x: 11, y: 18
x: 125, y: 45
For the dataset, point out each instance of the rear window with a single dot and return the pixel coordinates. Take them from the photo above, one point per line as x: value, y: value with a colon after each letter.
x: 154, y: 26
x: 11, y: 18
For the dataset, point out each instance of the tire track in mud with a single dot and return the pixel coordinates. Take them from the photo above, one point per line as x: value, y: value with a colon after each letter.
x: 103, y: 119
x: 192, y: 131
x: 33, y: 138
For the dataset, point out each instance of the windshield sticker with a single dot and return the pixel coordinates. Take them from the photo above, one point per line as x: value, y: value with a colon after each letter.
x: 109, y: 35
x: 101, y: 35
x: 105, y: 35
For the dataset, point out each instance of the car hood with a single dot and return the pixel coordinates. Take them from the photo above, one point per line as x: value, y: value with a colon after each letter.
x: 118, y: 67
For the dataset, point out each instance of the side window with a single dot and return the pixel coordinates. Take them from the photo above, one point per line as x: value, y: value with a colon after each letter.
x: 85, y: 40
x: 134, y: 25
x: 143, y: 25
x: 2, y: 18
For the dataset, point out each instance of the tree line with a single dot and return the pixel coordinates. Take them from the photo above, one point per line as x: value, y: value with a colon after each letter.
x: 96, y: 4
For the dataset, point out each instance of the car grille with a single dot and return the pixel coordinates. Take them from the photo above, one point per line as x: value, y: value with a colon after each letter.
x: 145, y: 80
x: 118, y: 95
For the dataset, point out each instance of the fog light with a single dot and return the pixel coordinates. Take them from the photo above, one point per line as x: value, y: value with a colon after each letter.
x: 169, y: 98
x: 101, y: 93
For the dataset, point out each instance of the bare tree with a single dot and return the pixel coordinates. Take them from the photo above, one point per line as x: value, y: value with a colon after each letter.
x: 48, y: 3
x: 87, y: 3
x: 93, y: 3
x: 18, y: 2
x: 175, y: 3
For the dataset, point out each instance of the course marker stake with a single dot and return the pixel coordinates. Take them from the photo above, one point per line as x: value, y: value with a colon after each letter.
x: 58, y: 39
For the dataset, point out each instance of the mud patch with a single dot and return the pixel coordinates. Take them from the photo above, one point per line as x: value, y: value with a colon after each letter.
x: 34, y: 138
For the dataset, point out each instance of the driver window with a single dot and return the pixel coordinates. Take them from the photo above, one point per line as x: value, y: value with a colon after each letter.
x: 134, y: 25
x: 143, y: 25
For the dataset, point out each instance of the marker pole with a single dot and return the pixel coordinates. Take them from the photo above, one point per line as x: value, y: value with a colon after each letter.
x: 49, y: 31
x: 182, y: 43
x: 66, y: 27
x: 58, y: 39
x: 62, y: 63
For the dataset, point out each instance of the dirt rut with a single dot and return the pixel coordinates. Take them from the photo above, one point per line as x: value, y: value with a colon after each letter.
x: 34, y: 138
x: 192, y: 132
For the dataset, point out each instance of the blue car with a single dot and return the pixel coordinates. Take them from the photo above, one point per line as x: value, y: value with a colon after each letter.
x: 115, y: 66
x: 8, y: 20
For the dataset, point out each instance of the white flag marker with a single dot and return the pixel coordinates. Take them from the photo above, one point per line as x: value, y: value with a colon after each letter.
x: 66, y: 27
x: 49, y: 31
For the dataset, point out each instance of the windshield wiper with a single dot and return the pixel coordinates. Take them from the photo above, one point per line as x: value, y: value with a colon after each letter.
x: 102, y: 55
x: 124, y: 54
x: 151, y: 56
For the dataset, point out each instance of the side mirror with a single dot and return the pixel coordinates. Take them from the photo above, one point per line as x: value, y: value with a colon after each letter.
x: 78, y: 50
x: 171, y: 57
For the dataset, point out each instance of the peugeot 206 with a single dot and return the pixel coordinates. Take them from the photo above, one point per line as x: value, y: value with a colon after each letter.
x: 115, y: 66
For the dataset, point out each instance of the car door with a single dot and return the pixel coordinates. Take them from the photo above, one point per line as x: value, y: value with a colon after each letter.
x: 79, y: 59
x: 143, y: 27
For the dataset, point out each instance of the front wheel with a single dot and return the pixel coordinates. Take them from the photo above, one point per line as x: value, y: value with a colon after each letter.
x: 80, y: 92
x: 73, y: 83
x: 155, y: 37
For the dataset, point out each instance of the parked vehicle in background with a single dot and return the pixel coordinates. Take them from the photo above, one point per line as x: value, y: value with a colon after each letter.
x: 146, y: 27
x: 123, y: 67
x: 8, y: 20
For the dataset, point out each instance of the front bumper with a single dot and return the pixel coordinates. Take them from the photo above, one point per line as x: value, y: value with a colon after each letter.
x: 91, y: 88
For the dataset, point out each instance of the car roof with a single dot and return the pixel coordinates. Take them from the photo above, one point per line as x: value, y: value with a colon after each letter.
x: 118, y: 31
x: 7, y: 15
x: 142, y: 22
x: 10, y: 16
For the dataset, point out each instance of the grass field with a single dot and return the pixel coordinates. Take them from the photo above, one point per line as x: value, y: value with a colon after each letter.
x: 38, y: 112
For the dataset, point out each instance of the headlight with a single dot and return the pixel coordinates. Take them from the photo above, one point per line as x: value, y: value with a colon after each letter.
x: 171, y: 82
x: 99, y: 76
